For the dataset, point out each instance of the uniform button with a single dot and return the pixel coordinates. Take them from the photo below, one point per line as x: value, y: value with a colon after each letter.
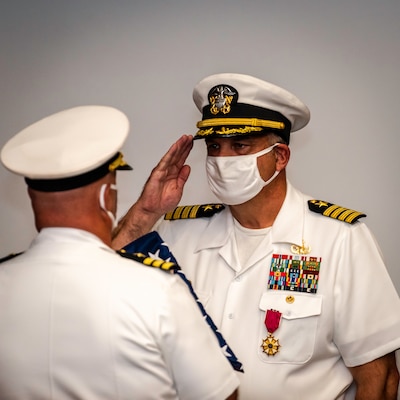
x: 230, y: 315
x: 238, y: 278
x: 290, y: 299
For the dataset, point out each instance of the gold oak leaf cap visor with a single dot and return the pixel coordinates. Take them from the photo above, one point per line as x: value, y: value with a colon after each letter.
x: 69, y: 149
x: 236, y: 105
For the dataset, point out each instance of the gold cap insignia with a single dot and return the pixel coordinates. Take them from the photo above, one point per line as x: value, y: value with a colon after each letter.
x: 221, y: 98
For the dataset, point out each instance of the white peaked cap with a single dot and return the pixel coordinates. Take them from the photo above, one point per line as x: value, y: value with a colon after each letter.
x: 236, y: 104
x: 75, y: 146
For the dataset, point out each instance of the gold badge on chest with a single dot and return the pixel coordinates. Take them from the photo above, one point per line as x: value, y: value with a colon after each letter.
x: 270, y: 344
x: 303, y: 249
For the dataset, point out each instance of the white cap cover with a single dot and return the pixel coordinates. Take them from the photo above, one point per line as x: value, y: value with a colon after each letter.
x: 236, y: 104
x: 68, y: 144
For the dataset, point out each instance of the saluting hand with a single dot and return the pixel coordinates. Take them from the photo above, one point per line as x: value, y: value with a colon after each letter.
x: 161, y: 193
x: 163, y: 189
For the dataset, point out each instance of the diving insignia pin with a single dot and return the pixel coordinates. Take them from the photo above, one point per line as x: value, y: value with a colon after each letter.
x: 270, y: 345
x: 303, y: 249
x: 221, y: 98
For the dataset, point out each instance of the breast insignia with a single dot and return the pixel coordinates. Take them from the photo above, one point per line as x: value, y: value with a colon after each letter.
x: 335, y: 211
x: 196, y: 211
x: 149, y: 261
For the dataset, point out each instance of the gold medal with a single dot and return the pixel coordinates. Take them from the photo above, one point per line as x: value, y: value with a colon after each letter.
x: 270, y: 345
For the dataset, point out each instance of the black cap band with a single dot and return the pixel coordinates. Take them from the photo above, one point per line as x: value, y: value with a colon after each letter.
x: 73, y: 182
x: 243, y: 119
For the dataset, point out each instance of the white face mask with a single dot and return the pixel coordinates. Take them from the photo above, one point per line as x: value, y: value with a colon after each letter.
x: 103, y: 203
x: 236, y: 179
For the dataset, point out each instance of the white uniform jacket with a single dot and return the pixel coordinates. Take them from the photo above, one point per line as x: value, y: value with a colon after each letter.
x: 77, y: 321
x: 352, y: 318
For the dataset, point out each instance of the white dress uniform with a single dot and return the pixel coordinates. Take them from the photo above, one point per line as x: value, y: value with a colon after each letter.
x: 81, y: 322
x: 341, y: 313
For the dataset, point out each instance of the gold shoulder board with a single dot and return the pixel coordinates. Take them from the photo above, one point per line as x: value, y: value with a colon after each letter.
x: 9, y: 257
x: 149, y: 261
x: 335, y: 211
x: 196, y: 211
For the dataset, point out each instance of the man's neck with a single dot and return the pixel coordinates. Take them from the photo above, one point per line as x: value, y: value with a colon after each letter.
x: 262, y: 210
x: 98, y: 227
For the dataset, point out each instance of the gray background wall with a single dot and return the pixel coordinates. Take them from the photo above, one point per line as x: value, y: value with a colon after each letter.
x: 341, y: 57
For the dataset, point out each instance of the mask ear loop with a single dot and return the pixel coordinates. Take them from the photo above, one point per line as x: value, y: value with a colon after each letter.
x: 103, y: 203
x: 275, y: 174
x: 266, y: 151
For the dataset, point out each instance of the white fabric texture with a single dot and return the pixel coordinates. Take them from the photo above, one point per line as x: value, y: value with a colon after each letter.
x: 352, y: 319
x: 77, y: 321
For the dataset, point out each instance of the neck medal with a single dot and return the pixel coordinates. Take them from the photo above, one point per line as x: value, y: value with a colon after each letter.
x: 270, y: 345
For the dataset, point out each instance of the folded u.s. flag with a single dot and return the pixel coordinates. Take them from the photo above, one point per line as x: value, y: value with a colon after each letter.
x: 151, y: 245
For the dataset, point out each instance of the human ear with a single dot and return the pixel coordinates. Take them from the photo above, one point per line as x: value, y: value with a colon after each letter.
x: 282, y: 156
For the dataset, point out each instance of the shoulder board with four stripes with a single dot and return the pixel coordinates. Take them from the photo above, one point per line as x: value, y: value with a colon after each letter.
x: 195, y: 211
x: 335, y: 211
x: 149, y: 261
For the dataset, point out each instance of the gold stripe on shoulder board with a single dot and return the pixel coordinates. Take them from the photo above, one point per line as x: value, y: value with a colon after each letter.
x: 194, y: 211
x: 334, y: 211
x: 167, y: 266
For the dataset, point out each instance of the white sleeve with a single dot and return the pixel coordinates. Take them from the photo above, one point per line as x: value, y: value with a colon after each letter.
x: 366, y: 303
x: 192, y: 352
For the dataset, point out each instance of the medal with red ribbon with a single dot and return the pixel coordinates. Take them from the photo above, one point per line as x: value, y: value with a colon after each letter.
x: 270, y: 345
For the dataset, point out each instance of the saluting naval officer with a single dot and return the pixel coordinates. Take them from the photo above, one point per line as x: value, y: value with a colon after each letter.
x: 78, y: 320
x: 297, y: 285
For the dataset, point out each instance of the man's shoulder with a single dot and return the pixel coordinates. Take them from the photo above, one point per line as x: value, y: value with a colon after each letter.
x: 317, y: 208
x: 190, y: 212
x: 334, y: 211
x: 146, y: 260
